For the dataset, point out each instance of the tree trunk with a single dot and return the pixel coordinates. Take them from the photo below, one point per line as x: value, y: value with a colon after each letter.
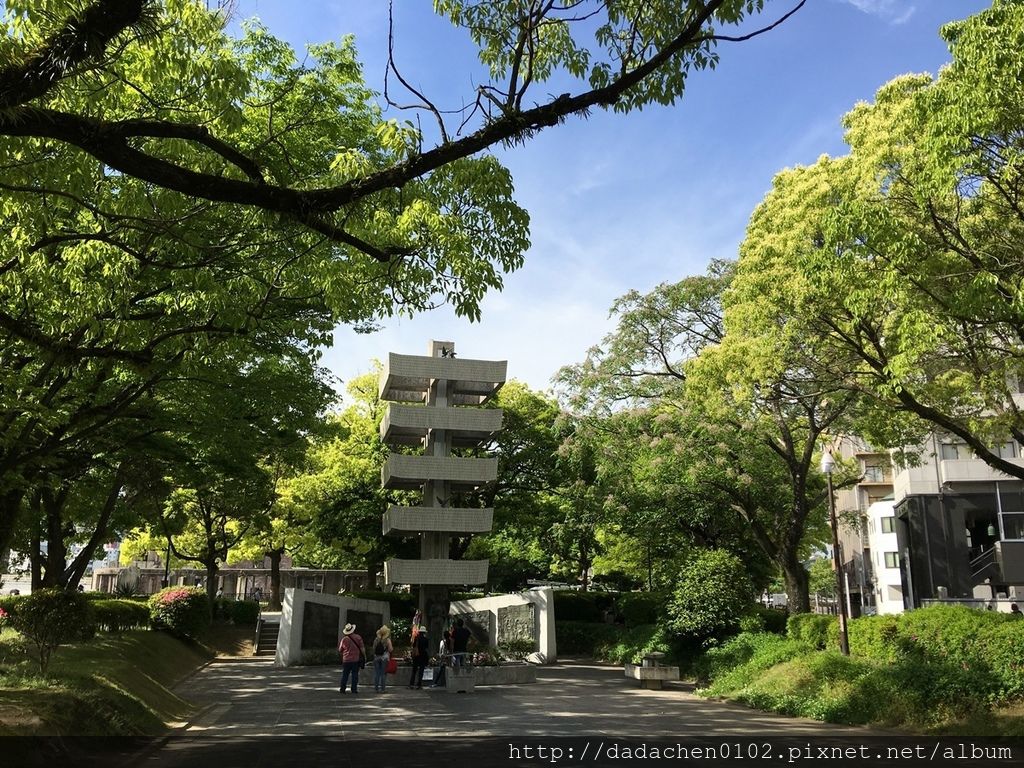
x: 10, y: 512
x: 211, y: 585
x: 275, y: 556
x: 798, y: 596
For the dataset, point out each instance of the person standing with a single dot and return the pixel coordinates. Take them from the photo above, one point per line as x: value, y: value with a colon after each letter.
x: 352, y: 653
x: 382, y: 650
x: 460, y: 643
x: 420, y: 657
x: 444, y: 658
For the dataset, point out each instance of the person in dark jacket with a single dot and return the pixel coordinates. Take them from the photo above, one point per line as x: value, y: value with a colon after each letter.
x: 420, y: 657
x: 460, y: 643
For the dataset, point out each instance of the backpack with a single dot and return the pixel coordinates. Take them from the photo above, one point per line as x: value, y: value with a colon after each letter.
x: 380, y: 647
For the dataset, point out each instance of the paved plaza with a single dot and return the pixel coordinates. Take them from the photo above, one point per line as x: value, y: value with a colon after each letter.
x: 256, y: 715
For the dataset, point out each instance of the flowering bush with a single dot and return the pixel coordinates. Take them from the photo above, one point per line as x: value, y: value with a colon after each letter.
x: 182, y: 611
x: 4, y: 617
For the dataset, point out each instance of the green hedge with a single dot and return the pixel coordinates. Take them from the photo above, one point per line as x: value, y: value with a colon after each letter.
x: 50, y: 618
x: 582, y: 606
x: 582, y: 638
x: 243, y: 613
x: 742, y: 658
x: 946, y: 639
x: 637, y: 608
x: 816, y: 629
x: 120, y: 615
x: 182, y: 611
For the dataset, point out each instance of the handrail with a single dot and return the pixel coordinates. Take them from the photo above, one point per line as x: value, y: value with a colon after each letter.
x: 256, y: 642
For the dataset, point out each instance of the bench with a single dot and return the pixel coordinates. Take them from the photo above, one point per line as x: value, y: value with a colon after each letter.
x: 651, y: 673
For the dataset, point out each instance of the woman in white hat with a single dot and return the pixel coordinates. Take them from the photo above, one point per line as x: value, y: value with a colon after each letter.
x: 353, y: 655
x: 382, y: 650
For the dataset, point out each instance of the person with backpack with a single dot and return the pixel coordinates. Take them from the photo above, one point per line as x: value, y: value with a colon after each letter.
x: 382, y: 650
x: 352, y: 653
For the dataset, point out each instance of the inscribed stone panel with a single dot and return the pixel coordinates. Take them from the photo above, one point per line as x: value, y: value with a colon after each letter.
x: 366, y: 623
x: 516, y: 623
x: 319, y: 625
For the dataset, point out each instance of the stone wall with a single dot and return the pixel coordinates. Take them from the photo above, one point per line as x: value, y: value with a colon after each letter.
x: 528, y: 615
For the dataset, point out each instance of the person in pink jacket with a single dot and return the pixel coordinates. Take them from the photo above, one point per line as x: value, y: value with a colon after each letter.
x: 353, y: 655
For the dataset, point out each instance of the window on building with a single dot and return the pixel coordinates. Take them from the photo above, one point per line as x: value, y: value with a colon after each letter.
x: 892, y: 559
x: 1013, y: 526
x: 1007, y: 450
x: 953, y: 451
x: 888, y: 524
x: 873, y: 497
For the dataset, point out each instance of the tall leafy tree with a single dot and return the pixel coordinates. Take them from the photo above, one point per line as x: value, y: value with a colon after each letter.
x: 170, y: 189
x: 897, y: 266
x: 752, y: 446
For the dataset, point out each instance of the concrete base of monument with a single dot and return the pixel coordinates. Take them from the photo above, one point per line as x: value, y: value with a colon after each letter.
x: 651, y: 677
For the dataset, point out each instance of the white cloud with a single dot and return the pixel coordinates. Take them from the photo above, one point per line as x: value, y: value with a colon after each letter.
x: 892, y: 11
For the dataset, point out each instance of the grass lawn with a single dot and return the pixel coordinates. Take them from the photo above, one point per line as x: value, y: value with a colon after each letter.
x: 116, y: 685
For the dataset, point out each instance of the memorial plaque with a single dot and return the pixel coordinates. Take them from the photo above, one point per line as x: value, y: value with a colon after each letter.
x: 478, y: 624
x: 366, y: 623
x: 517, y: 622
x: 319, y: 625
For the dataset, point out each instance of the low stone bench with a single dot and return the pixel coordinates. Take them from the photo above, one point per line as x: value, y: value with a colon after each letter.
x: 652, y: 674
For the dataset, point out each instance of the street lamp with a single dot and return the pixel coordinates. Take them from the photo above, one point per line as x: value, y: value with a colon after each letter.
x: 844, y: 639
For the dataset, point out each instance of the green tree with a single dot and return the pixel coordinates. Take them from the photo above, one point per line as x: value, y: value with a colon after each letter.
x: 171, y: 191
x: 897, y: 265
x: 747, y: 448
x: 711, y: 594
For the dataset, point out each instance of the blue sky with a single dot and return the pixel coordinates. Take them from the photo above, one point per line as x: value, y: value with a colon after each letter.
x: 629, y: 201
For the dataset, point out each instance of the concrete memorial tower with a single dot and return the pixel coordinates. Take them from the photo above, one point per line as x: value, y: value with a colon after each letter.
x: 446, y: 393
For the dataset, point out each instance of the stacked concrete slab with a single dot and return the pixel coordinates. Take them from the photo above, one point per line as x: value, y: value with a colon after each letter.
x: 447, y: 393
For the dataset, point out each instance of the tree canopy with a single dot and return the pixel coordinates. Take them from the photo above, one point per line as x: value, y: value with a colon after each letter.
x: 896, y: 268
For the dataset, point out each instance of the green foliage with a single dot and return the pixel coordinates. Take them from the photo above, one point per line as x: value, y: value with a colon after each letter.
x: 571, y: 605
x: 712, y: 593
x: 741, y: 659
x: 182, y: 611
x: 120, y: 615
x: 629, y: 646
x: 242, y: 613
x: 125, y: 590
x: 636, y: 608
x: 987, y: 646
x: 758, y: 618
x: 583, y: 638
x: 516, y: 650
x: 50, y: 618
x: 814, y: 629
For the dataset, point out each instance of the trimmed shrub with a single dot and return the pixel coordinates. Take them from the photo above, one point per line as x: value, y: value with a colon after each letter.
x: 182, y: 611
x: 713, y: 591
x: 988, y: 646
x: 9, y: 602
x: 243, y: 613
x: 629, y: 646
x: 637, y: 608
x: 581, y: 606
x: 120, y: 615
x: 50, y: 618
x: 741, y: 659
x: 814, y: 629
x: 580, y: 638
